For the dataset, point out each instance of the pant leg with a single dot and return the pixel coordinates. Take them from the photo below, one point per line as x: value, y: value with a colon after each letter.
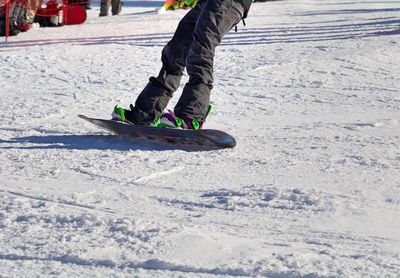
x: 155, y: 96
x: 116, y: 6
x: 104, y: 7
x: 215, y: 20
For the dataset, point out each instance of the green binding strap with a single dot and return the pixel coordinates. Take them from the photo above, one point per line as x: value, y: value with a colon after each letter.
x: 178, y: 121
x: 156, y: 123
x: 196, y: 124
x: 120, y: 112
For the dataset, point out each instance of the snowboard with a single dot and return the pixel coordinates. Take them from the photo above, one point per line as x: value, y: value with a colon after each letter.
x: 203, y: 138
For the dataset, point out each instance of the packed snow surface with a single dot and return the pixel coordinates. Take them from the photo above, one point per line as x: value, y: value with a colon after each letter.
x: 310, y: 90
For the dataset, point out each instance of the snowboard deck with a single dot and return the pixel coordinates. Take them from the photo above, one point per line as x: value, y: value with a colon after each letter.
x: 203, y: 138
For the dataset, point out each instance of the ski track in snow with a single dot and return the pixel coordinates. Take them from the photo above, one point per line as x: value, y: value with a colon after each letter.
x: 310, y: 90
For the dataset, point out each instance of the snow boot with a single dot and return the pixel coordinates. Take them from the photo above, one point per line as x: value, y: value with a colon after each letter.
x: 170, y: 120
x: 120, y: 114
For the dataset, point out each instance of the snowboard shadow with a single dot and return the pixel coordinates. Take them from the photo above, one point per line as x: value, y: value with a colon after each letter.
x: 90, y: 142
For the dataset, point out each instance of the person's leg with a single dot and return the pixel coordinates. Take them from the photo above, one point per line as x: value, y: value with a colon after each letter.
x: 155, y: 96
x: 216, y: 19
x: 116, y: 6
x: 104, y: 7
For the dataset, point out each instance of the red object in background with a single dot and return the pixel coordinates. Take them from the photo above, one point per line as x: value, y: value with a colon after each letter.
x: 54, y: 12
x: 74, y: 14
x: 24, y: 27
x: 7, y: 19
x: 52, y: 8
x: 74, y: 11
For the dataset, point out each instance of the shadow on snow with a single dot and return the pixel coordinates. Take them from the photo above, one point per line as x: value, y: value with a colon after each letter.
x: 150, y: 40
x: 133, y: 3
x: 89, y: 142
x: 143, y: 4
x: 314, y: 32
x: 307, y: 32
x: 348, y: 11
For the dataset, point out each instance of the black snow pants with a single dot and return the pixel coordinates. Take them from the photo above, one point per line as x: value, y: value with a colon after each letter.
x: 192, y: 47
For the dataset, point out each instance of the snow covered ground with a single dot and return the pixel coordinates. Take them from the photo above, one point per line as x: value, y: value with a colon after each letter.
x: 309, y: 88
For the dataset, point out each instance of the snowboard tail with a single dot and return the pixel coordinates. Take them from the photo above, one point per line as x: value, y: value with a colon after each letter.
x: 204, y: 138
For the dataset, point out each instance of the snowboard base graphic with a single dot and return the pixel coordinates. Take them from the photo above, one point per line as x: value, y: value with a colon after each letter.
x: 204, y: 138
